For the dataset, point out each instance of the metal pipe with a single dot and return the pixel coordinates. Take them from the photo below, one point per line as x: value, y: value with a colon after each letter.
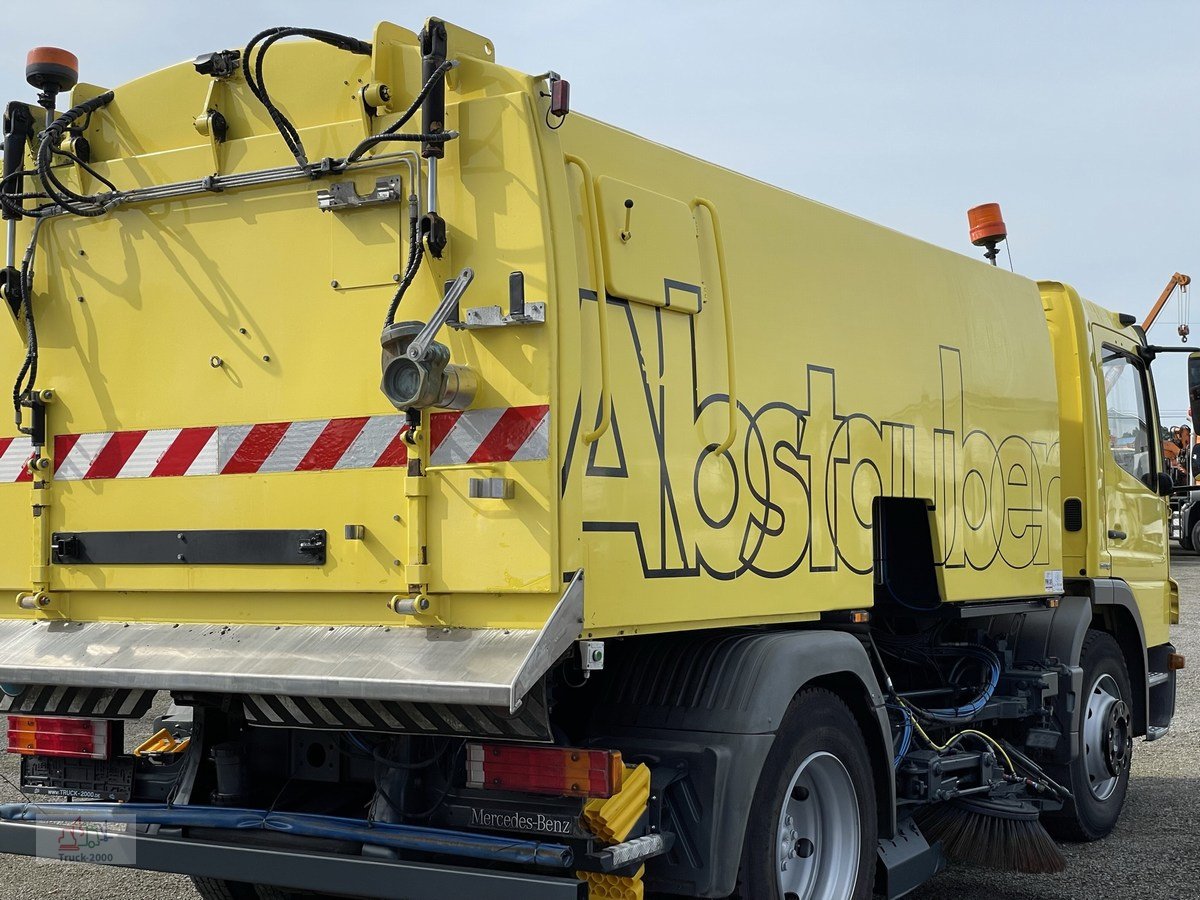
x: 404, y: 837
x: 11, y: 255
x: 431, y: 193
x: 593, y: 221
x: 218, y: 183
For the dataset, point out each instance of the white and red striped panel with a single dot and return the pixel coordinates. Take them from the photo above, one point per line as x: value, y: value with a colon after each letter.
x: 319, y: 445
x: 363, y: 442
x: 515, y: 434
x: 14, y: 459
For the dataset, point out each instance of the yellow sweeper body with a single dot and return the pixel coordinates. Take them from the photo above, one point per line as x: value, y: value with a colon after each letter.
x: 700, y: 420
x: 863, y: 363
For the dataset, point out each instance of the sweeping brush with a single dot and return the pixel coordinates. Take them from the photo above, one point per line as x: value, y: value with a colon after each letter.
x: 996, y: 834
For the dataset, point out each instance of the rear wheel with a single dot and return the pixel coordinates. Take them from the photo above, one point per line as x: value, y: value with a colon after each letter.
x: 1099, y: 777
x: 1192, y: 543
x: 813, y: 827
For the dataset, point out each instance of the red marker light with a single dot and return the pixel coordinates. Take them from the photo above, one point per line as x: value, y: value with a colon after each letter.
x: 46, y: 736
x: 560, y: 97
x: 561, y: 772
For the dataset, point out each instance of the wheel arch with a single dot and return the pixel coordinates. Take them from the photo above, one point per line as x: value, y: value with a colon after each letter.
x: 729, y: 692
x: 1116, y: 612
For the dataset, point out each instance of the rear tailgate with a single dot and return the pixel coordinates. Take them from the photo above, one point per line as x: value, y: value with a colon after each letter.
x: 221, y: 450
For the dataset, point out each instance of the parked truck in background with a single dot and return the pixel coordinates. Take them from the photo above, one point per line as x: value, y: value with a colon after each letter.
x: 676, y: 533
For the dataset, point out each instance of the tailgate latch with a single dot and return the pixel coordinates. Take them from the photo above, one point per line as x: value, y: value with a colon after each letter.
x: 314, y: 546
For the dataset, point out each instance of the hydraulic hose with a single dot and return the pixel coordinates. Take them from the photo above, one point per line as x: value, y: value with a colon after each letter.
x: 253, y: 72
x: 72, y: 202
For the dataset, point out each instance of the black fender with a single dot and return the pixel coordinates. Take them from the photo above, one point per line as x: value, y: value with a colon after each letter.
x: 1118, y: 610
x: 707, y: 704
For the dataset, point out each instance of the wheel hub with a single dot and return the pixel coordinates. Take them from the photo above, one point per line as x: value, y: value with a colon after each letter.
x: 1107, y: 737
x: 1117, y: 738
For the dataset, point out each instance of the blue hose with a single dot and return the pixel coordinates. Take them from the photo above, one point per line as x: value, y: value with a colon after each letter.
x: 403, y: 837
x: 905, y: 736
x: 970, y: 710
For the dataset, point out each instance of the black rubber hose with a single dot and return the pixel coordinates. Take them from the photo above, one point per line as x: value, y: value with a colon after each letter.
x: 30, y: 366
x: 439, y: 72
x: 69, y: 200
x: 416, y: 252
x: 252, y: 70
x: 368, y: 142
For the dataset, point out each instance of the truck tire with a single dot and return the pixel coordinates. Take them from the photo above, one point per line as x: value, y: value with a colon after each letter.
x: 1099, y: 777
x: 1193, y: 537
x: 813, y: 824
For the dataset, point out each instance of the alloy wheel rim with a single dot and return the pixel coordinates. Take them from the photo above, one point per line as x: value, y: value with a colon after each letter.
x: 817, y: 845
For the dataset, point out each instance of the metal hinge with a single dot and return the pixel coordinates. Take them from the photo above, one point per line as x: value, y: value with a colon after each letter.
x: 343, y: 195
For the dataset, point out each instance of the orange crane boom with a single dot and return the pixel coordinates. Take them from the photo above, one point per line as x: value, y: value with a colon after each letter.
x: 1178, y: 280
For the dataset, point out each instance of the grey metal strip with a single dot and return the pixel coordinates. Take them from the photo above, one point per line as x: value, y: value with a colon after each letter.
x: 453, y: 667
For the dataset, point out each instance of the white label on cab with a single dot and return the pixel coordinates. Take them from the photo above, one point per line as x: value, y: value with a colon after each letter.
x: 1054, y: 581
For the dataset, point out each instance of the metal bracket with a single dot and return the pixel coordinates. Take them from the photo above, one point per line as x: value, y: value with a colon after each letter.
x: 342, y: 195
x: 519, y: 312
x: 493, y: 317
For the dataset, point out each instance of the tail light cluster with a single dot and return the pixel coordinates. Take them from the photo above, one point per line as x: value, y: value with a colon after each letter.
x: 559, y: 771
x: 46, y: 736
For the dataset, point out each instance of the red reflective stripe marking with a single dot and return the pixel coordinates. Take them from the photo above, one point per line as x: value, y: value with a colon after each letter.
x: 183, y: 451
x: 439, y: 426
x: 63, y: 444
x: 25, y: 474
x: 4, y: 444
x: 508, y: 434
x: 255, y: 448
x: 332, y: 442
x: 115, y: 454
x: 396, y: 453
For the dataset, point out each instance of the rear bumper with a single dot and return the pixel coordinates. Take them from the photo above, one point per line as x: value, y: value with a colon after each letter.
x: 318, y: 872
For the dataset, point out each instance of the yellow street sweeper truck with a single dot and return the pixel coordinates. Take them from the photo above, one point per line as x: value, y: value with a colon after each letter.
x: 512, y: 507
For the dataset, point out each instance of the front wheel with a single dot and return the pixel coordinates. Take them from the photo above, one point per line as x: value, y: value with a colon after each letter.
x: 1099, y: 777
x: 813, y: 826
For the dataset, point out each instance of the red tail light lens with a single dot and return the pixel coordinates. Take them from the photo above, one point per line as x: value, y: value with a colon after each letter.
x: 45, y: 736
x: 562, y: 772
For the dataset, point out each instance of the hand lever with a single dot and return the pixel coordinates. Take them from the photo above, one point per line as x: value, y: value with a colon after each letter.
x: 416, y: 350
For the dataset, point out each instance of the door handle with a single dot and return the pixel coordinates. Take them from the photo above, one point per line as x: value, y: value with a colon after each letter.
x: 1116, y: 534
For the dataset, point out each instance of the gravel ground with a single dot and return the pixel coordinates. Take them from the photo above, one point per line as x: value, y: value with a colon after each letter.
x: 1151, y: 854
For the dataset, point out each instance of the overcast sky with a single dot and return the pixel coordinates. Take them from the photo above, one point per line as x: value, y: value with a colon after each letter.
x: 1079, y: 118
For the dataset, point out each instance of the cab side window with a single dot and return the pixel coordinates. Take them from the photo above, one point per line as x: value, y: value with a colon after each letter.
x: 1129, y: 430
